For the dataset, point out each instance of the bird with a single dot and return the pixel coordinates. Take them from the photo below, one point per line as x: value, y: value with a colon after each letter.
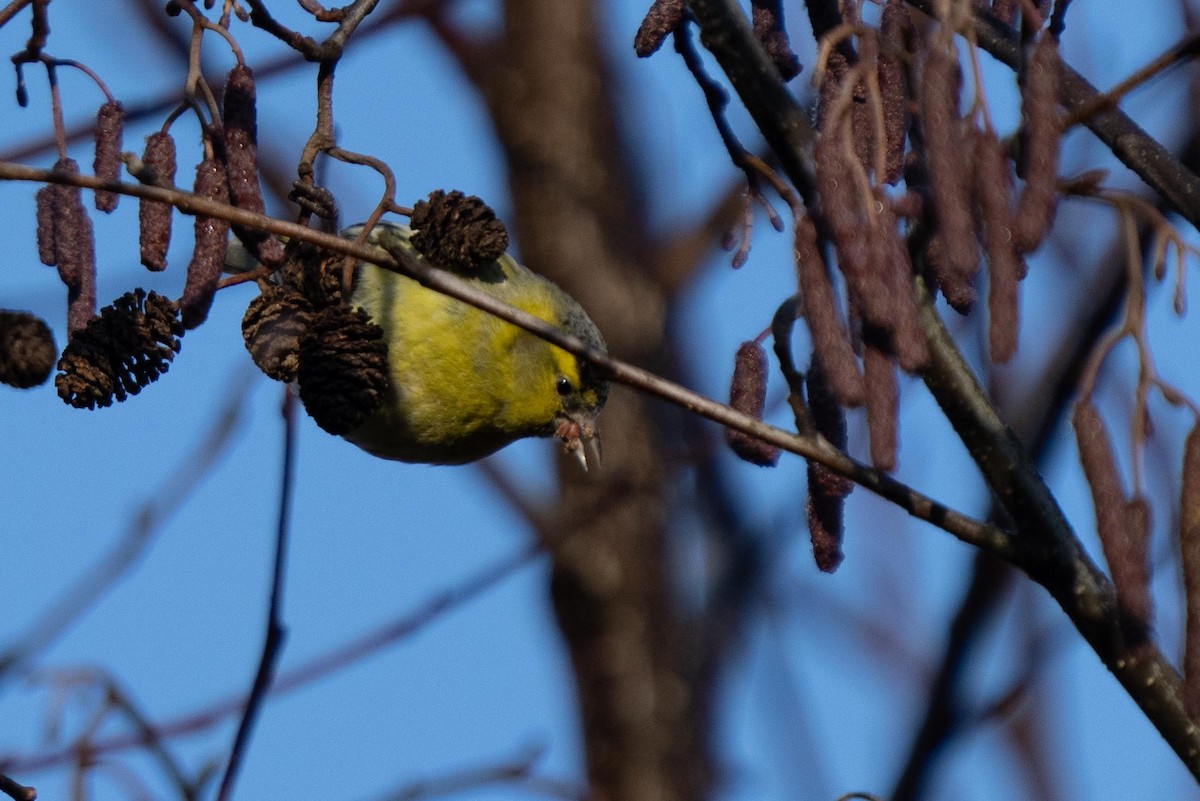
x: 463, y: 383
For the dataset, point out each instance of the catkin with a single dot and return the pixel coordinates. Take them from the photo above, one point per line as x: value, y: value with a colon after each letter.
x: 892, y: 262
x: 894, y: 30
x: 993, y: 188
x: 1189, y: 543
x: 110, y: 124
x: 154, y: 217
x: 827, y: 490
x: 883, y: 399
x: 240, y: 127
x: 1039, y: 148
x: 47, y: 199
x: 767, y: 18
x: 663, y: 17
x: 948, y: 159
x: 1122, y: 547
x: 748, y: 395
x: 844, y: 214
x: 74, y: 250
x: 829, y: 337
x: 1004, y: 10
x: 211, y: 234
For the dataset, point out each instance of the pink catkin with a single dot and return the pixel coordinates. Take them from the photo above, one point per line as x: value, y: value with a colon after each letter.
x: 47, y: 199
x: 1004, y: 10
x: 663, y: 17
x: 110, y: 124
x: 826, y: 490
x: 75, y: 250
x: 154, y: 218
x: 948, y: 159
x: 1123, y: 544
x: 993, y: 196
x: 847, y: 221
x: 748, y: 395
x: 1043, y: 130
x: 883, y: 399
x: 1189, y: 543
x: 829, y: 337
x: 208, y: 258
x: 240, y: 119
x: 767, y: 16
x: 895, y: 29
x: 892, y: 262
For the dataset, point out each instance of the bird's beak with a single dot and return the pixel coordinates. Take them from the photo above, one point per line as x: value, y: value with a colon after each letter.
x: 577, y: 430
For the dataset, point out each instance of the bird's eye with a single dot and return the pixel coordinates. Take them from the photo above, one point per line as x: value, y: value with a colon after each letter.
x: 563, y: 385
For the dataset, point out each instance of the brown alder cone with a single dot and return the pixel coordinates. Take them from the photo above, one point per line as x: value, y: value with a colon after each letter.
x: 342, y: 373
x: 1039, y: 146
x: 830, y: 340
x: 27, y: 351
x: 126, y: 347
x: 1123, y: 544
x: 1189, y: 544
x: 212, y: 239
x: 748, y: 394
x: 993, y: 194
x: 827, y: 490
x: 154, y: 217
x: 110, y: 124
x: 457, y: 231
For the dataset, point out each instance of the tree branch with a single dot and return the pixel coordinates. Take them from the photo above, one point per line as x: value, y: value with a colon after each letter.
x: 1045, y: 546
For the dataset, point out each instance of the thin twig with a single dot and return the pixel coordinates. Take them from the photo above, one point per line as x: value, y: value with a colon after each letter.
x: 967, y: 529
x: 335, y: 659
x: 273, y: 641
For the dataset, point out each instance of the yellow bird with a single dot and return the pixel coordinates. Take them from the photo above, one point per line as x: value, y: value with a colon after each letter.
x: 462, y: 383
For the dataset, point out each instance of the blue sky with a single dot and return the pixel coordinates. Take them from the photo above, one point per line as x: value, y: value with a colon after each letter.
x: 837, y: 660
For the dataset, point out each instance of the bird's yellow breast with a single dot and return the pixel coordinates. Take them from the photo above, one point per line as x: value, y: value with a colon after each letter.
x: 462, y: 382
